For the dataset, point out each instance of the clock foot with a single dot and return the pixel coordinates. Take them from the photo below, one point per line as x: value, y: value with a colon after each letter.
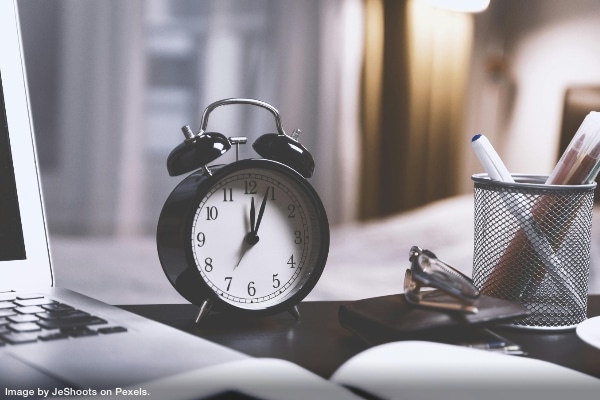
x: 204, y: 309
x: 295, y: 313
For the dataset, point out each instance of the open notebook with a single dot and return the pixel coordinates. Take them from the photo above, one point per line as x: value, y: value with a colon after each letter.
x: 51, y: 337
x: 398, y: 370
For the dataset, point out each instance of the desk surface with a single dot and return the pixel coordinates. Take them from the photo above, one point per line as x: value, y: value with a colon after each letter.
x: 318, y: 343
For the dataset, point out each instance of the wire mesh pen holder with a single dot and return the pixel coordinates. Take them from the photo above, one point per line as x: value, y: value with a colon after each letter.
x: 532, y: 246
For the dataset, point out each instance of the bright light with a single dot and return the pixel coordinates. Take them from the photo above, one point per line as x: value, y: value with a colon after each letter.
x: 461, y: 5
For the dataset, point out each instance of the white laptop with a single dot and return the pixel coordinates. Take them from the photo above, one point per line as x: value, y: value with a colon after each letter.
x: 53, y: 337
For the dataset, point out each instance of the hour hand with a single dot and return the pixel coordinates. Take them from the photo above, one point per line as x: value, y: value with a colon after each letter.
x: 252, y: 215
x: 252, y: 236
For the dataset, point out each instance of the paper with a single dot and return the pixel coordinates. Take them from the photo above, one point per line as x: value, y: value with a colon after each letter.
x: 261, y: 378
x: 427, y: 370
x: 399, y: 370
x: 589, y: 331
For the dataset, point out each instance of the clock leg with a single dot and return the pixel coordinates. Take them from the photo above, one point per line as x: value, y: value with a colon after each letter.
x: 204, y: 309
x: 295, y: 313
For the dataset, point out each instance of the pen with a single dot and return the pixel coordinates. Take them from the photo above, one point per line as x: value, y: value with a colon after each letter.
x: 495, y: 343
x: 490, y: 160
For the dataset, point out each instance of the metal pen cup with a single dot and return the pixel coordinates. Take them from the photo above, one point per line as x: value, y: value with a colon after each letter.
x: 532, y: 246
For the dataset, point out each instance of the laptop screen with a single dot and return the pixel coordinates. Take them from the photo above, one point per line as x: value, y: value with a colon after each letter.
x: 12, y: 245
x: 24, y: 252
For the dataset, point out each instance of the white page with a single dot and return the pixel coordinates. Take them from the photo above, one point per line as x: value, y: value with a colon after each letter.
x: 263, y: 378
x: 426, y: 370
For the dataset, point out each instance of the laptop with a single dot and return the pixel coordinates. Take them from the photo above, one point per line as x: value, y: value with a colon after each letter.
x: 53, y: 337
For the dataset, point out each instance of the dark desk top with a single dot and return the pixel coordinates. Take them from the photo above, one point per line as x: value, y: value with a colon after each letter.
x: 318, y: 343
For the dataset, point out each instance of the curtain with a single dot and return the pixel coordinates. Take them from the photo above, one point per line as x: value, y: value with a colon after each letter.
x: 413, y: 95
x: 93, y: 81
x: 118, y: 79
x: 338, y: 148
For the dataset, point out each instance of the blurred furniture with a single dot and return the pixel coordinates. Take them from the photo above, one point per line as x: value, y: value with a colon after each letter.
x: 579, y: 101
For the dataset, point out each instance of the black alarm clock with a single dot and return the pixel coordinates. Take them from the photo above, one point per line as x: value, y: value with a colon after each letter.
x: 250, y: 237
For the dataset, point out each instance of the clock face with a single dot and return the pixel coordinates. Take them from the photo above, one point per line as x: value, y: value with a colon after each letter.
x: 258, y: 236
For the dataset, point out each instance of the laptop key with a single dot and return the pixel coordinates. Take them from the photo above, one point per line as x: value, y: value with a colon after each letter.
x: 33, y: 302
x: 53, y: 335
x: 64, y: 315
x: 6, y: 313
x: 24, y: 327
x: 29, y: 309
x: 30, y: 296
x: 6, y: 304
x: 7, y: 296
x: 71, y: 323
x: 22, y: 318
x: 81, y: 332
x: 112, y: 329
x: 19, y: 337
x: 57, y: 307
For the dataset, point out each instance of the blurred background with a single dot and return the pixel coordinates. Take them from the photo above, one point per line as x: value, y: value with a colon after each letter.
x: 387, y: 95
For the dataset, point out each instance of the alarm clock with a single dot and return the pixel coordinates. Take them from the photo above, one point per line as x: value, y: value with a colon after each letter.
x: 250, y: 237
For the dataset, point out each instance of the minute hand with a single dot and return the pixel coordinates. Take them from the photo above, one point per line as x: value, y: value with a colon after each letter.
x: 261, y: 211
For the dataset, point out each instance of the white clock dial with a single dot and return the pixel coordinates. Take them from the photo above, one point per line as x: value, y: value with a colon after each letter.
x: 254, y: 238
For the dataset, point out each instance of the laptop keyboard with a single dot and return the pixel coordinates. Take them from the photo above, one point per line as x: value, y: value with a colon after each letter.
x: 33, y: 318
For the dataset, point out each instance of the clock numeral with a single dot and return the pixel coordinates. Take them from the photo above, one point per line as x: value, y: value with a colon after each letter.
x: 208, y: 264
x: 228, y: 278
x: 227, y: 194
x: 211, y: 213
x: 276, y: 282
x: 272, y: 188
x: 291, y: 262
x: 298, y: 239
x: 251, y: 289
x: 292, y: 211
x: 201, y: 238
x: 250, y: 187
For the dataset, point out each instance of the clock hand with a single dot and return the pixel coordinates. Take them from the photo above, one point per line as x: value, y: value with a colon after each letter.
x: 252, y: 215
x: 245, y: 246
x: 261, y: 211
x: 252, y: 236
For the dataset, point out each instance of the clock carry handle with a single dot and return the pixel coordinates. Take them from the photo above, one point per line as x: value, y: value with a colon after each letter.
x: 273, y: 146
x: 200, y: 149
x: 225, y: 102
